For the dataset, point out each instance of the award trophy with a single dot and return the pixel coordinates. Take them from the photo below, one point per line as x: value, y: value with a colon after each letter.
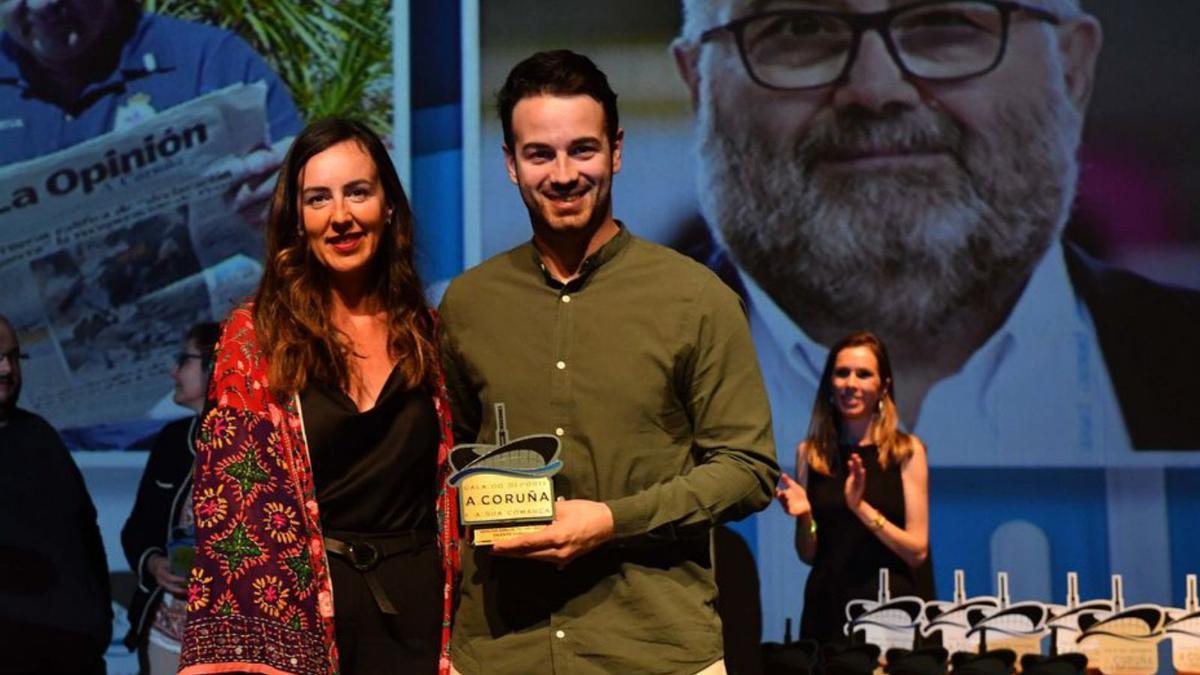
x: 1184, y: 630
x: 505, y: 490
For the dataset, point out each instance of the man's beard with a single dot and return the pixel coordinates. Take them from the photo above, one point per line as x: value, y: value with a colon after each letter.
x: 544, y: 221
x: 905, y: 253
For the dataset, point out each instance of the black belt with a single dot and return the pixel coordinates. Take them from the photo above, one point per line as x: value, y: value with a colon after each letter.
x: 364, y: 555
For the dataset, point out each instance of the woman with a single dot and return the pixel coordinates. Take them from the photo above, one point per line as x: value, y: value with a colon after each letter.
x: 860, y: 497
x: 324, y: 540
x: 157, y: 538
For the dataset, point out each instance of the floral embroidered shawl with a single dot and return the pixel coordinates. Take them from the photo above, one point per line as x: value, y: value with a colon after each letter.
x: 259, y: 598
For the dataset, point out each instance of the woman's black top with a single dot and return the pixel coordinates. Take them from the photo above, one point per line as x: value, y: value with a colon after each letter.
x: 375, y: 474
x: 374, y: 471
x: 849, y: 555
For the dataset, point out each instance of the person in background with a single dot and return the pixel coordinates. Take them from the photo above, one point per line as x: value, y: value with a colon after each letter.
x: 324, y: 540
x: 161, y: 523
x: 71, y: 70
x: 861, y: 494
x: 909, y: 168
x: 55, y: 603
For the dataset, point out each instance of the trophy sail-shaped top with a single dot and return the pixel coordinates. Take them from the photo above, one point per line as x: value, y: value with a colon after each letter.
x: 505, y: 489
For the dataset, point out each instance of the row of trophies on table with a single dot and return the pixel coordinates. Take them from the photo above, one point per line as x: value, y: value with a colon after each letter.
x: 1116, y: 639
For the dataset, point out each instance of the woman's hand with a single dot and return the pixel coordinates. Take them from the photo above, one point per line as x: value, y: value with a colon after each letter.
x: 793, y: 497
x: 856, y: 482
x: 160, y: 567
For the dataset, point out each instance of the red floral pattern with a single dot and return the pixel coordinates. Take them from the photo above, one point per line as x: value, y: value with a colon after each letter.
x: 259, y: 547
x: 198, y: 590
x: 270, y: 595
x: 210, y: 507
x: 226, y: 605
x: 280, y: 522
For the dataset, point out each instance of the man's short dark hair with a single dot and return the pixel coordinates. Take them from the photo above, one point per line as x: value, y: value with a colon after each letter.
x: 558, y: 73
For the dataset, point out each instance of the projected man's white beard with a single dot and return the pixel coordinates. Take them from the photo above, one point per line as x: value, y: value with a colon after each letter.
x: 901, y: 252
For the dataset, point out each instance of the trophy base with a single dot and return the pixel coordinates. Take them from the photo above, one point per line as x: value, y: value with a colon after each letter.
x: 486, y: 536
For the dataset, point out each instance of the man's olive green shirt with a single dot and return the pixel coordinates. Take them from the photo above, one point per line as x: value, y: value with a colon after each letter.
x: 644, y: 368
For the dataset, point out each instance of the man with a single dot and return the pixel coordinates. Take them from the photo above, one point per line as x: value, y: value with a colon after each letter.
x: 640, y: 361
x: 55, y: 608
x: 74, y: 70
x: 71, y: 70
x: 908, y: 168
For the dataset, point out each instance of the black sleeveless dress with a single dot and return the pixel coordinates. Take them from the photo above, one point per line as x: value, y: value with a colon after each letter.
x: 849, y: 555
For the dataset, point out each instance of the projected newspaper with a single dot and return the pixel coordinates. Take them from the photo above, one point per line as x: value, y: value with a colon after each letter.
x: 111, y: 249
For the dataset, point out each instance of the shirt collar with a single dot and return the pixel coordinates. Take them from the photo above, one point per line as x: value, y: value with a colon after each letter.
x: 805, y: 354
x: 1046, y: 312
x: 593, y: 262
x: 1047, y: 307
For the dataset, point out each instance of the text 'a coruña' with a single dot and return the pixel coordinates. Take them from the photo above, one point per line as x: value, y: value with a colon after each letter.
x: 501, y: 498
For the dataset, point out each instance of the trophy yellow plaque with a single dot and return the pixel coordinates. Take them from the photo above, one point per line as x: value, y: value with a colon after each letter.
x: 506, y: 489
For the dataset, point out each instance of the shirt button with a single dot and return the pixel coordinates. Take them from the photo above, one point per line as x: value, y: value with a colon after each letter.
x: 559, y: 431
x: 559, y: 634
x: 566, y: 298
x: 561, y: 365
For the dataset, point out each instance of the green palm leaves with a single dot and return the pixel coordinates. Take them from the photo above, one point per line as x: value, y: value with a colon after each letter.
x: 334, y: 55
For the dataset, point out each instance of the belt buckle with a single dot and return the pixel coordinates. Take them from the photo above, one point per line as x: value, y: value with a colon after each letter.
x: 363, y: 556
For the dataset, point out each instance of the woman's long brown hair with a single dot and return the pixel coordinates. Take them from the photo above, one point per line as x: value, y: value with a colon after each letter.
x: 292, y: 316
x: 825, y: 425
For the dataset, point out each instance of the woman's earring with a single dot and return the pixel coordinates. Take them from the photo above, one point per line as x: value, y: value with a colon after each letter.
x: 879, y: 405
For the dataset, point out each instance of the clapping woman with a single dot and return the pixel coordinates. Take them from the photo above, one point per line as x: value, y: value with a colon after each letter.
x: 861, y: 494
